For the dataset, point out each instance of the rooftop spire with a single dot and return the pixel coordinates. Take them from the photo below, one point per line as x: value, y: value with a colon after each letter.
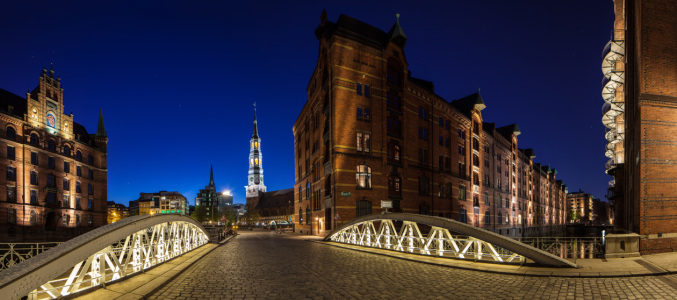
x: 396, y: 33
x: 256, y: 128
x: 101, y: 129
x: 211, y: 175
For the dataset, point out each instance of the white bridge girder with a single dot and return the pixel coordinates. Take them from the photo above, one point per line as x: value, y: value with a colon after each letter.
x: 474, y: 243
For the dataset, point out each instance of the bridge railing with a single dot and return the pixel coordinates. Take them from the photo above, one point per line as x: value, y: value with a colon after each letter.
x: 15, y: 253
x: 568, y: 247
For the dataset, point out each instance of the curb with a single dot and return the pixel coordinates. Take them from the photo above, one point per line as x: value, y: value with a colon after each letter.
x: 495, y: 271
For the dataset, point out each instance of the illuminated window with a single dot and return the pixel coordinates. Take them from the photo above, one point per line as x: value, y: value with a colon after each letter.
x: 363, y: 176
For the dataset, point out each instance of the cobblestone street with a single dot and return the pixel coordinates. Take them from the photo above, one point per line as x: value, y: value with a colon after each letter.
x: 264, y: 265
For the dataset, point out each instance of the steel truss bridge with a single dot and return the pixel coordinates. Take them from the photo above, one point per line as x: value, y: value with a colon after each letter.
x: 469, y: 242
x: 103, y: 255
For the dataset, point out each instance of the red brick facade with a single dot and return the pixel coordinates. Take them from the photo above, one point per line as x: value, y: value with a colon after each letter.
x: 371, y: 132
x: 53, y: 172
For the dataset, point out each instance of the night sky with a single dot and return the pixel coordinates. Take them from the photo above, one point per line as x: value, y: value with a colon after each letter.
x: 177, y: 79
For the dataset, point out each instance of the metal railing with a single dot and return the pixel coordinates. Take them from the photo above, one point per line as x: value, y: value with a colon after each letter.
x: 15, y: 253
x: 568, y: 247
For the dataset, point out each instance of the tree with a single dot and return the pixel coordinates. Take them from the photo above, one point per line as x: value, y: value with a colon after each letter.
x: 199, y: 214
x: 574, y: 216
x: 230, y: 215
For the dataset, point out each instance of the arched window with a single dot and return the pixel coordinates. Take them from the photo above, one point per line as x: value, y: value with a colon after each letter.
x: 78, y: 156
x: 51, y: 146
x: 363, y: 208
x: 300, y: 216
x: 300, y: 193
x: 307, y: 215
x: 363, y: 176
x: 307, y: 189
x: 34, y: 139
x: 34, y: 218
x: 66, y: 150
x: 499, y: 218
x: 11, y: 133
x: 487, y: 218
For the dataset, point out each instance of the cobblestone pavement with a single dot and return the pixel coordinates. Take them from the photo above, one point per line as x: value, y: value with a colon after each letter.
x: 264, y: 265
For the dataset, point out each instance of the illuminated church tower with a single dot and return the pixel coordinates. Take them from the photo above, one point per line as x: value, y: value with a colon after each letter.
x: 255, y: 176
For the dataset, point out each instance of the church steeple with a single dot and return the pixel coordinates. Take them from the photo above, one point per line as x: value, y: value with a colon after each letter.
x: 255, y: 174
x: 211, y: 175
x: 100, y: 128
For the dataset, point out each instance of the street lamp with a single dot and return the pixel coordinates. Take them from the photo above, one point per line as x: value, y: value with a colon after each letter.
x: 318, y: 224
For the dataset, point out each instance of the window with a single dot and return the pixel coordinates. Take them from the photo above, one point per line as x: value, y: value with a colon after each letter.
x: 51, y: 180
x: 34, y: 139
x: 447, y: 190
x: 77, y: 202
x: 461, y: 169
x: 447, y: 143
x: 447, y: 125
x: 394, y: 100
x: 486, y: 163
x: 367, y: 91
x: 394, y: 126
x: 394, y: 73
x: 441, y: 163
x: 363, y: 208
x: 11, y: 215
x: 476, y: 144
x: 34, y: 158
x: 462, y: 217
x: 394, y: 186
x: 51, y: 146
x: 51, y: 162
x: 423, y: 133
x: 308, y: 191
x: 90, y: 159
x: 441, y: 122
x: 363, y: 176
x: 11, y: 154
x: 11, y: 134
x: 34, y: 197
x: 66, y: 150
x: 441, y: 140
x: 363, y: 142
x: 359, y: 89
x: 308, y: 215
x: 300, y: 193
x: 363, y: 114
x: 475, y: 160
x: 423, y: 156
x: 66, y: 167
x: 447, y: 164
x: 89, y: 204
x: 475, y: 178
x: 499, y: 218
x: 78, y: 170
x: 34, y: 218
x: 91, y: 173
x: 11, y: 173
x: 461, y: 150
x: 66, y: 219
x: 78, y: 156
x: 77, y: 187
x: 11, y: 194
x: 461, y: 192
x: 393, y: 151
x: 476, y: 128
x: 66, y: 184
x: 51, y: 197
x: 461, y: 134
x: 486, y: 198
x: 423, y: 185
x: 507, y: 202
x: 487, y: 218
x: 34, y: 178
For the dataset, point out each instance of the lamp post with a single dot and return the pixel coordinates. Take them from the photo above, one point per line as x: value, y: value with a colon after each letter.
x: 318, y: 224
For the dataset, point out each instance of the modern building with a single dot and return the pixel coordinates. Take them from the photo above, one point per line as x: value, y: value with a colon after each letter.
x: 116, y: 212
x: 162, y: 202
x: 580, y: 207
x: 274, y: 207
x: 371, y: 135
x: 55, y: 182
x: 640, y: 109
x: 209, y: 197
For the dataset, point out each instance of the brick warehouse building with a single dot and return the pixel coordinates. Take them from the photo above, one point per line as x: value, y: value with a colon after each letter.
x: 370, y: 132
x: 640, y: 93
x: 55, y: 172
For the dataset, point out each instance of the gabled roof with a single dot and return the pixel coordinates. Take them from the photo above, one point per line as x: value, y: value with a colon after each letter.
x: 424, y: 84
x: 396, y: 34
x: 18, y: 103
x: 468, y: 103
x: 508, y: 130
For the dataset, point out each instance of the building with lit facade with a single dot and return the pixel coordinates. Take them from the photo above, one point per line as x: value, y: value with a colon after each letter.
x: 370, y: 131
x: 640, y: 108
x: 116, y: 212
x: 274, y: 207
x: 580, y: 207
x: 162, y: 202
x: 55, y: 180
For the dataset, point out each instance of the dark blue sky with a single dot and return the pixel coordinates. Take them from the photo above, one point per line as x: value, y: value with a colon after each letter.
x: 177, y: 79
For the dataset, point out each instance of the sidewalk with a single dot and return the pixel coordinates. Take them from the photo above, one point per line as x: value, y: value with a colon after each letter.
x: 648, y: 265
